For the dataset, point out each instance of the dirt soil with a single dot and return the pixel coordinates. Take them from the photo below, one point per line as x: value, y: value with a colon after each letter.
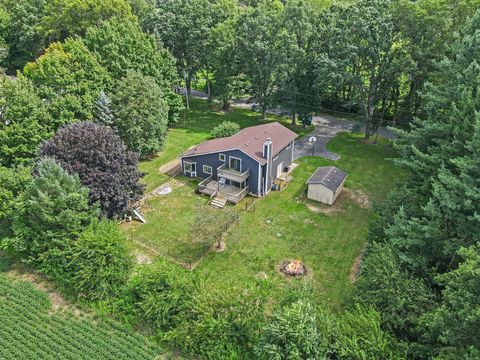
x: 58, y: 303
x: 355, y: 270
x: 358, y: 196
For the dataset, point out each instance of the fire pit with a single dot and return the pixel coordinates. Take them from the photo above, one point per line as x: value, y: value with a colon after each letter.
x: 294, y: 268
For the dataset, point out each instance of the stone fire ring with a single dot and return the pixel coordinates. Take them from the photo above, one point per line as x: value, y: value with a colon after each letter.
x: 294, y: 268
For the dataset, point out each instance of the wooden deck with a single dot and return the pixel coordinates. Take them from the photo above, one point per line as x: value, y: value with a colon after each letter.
x: 232, y: 193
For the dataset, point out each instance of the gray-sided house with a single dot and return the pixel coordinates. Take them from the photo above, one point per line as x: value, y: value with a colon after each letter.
x: 326, y: 184
x: 245, y: 163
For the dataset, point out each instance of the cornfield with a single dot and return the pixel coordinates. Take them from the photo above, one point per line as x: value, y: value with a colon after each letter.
x: 30, y: 330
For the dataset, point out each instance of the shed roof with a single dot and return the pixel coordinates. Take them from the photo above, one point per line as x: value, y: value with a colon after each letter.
x: 249, y: 140
x: 329, y: 176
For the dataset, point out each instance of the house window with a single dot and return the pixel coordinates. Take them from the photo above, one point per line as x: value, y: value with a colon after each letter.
x: 235, y: 164
x: 221, y: 157
x: 190, y: 168
x: 207, y: 169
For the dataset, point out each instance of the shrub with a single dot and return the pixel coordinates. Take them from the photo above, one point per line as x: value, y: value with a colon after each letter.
x: 49, y: 216
x: 159, y: 294
x: 227, y: 128
x: 359, y: 335
x: 99, y: 261
x: 101, y: 160
x: 293, y: 332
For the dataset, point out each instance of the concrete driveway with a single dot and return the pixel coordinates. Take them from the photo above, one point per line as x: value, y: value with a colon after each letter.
x: 326, y: 128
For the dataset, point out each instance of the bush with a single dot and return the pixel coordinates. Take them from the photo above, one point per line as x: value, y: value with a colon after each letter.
x: 99, y: 261
x: 358, y: 335
x: 227, y: 128
x: 293, y: 332
x: 159, y: 294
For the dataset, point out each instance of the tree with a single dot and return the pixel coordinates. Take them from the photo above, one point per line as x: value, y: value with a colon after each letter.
x: 66, y: 18
x: 455, y: 322
x: 123, y: 46
x: 293, y: 332
x: 68, y: 78
x: 13, y: 181
x: 24, y: 121
x: 4, y: 26
x: 400, y: 297
x: 101, y: 160
x: 103, y: 112
x: 50, y: 214
x: 295, y: 91
x: 183, y: 26
x: 99, y: 262
x: 23, y: 37
x: 260, y: 39
x: 365, y: 52
x: 141, y: 114
x: 209, y: 225
x: 228, y: 83
x: 226, y: 128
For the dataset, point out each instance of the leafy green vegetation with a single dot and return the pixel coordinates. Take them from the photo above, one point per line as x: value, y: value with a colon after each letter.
x: 29, y: 328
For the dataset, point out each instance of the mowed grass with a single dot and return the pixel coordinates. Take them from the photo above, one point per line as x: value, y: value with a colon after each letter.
x: 327, y: 243
x: 194, y: 128
x: 169, y: 218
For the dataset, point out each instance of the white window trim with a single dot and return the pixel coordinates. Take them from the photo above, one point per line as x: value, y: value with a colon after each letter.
x: 289, y: 146
x: 230, y: 162
x: 192, y: 173
x: 222, y: 155
x: 275, y: 157
x: 209, y: 172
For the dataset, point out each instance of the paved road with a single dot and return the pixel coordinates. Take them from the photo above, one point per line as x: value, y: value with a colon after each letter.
x: 326, y: 128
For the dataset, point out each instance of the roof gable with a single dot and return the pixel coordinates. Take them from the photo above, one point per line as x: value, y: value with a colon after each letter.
x: 249, y: 140
x: 329, y: 176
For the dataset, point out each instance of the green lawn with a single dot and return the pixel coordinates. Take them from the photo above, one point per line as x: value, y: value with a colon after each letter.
x: 196, y: 127
x: 327, y: 243
x: 167, y: 230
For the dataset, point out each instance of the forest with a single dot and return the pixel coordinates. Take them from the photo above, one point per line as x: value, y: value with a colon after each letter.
x: 90, y: 90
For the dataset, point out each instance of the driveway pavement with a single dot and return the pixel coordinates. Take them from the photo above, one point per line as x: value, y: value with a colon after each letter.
x: 326, y: 128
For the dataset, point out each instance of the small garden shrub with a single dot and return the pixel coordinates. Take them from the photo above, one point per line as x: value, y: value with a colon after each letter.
x: 227, y: 128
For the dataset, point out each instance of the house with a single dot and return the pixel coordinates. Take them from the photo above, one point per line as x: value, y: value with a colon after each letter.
x: 245, y: 163
x: 326, y: 184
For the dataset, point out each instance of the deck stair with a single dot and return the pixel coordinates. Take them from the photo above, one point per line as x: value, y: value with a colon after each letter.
x: 218, y: 202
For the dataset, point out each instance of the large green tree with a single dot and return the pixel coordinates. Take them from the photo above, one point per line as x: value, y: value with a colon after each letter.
x: 261, y: 37
x: 24, y: 121
x: 23, y: 37
x: 122, y: 46
x: 73, y: 17
x: 69, y: 78
x: 140, y: 113
x: 50, y: 214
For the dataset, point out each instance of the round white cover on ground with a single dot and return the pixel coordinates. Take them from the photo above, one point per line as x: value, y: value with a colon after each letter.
x: 163, y: 190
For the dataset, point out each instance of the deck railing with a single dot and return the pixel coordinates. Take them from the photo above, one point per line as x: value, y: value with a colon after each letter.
x: 230, y: 174
x: 204, y: 189
x: 236, y: 198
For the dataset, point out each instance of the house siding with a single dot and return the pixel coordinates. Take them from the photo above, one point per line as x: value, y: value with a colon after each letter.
x: 213, y: 160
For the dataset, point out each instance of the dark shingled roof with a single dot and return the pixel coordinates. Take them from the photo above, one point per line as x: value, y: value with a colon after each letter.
x: 329, y: 176
x: 249, y: 140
